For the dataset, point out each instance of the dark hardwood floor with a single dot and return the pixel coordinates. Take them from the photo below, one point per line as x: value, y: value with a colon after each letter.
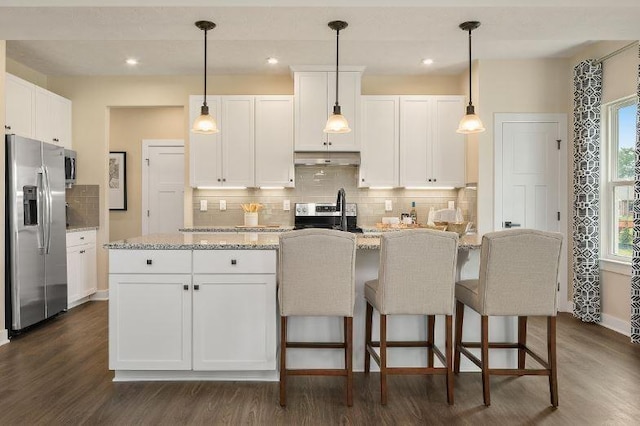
x: 57, y: 374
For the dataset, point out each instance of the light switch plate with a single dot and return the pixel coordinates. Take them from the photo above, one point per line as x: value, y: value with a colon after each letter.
x: 286, y: 205
x: 451, y: 204
x: 203, y: 205
x: 223, y: 205
x: 388, y: 205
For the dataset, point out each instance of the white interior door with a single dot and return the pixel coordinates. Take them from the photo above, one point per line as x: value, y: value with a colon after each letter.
x: 162, y: 186
x: 531, y: 176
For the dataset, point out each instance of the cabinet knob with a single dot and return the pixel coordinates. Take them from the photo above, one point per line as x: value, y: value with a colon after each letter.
x: 324, y: 143
x: 224, y: 180
x: 219, y: 180
x: 363, y: 179
x: 7, y: 127
x: 435, y: 180
x: 81, y: 251
x: 196, y: 286
x: 186, y: 286
x: 234, y: 262
x: 290, y: 180
x: 149, y: 261
x: 82, y: 238
x: 329, y: 143
x: 56, y: 140
x: 429, y: 180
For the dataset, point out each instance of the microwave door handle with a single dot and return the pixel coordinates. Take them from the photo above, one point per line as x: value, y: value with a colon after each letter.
x: 73, y: 168
x: 40, y: 206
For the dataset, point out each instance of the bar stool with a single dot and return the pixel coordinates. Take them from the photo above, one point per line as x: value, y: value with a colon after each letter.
x: 416, y: 277
x: 317, y: 278
x: 518, y: 277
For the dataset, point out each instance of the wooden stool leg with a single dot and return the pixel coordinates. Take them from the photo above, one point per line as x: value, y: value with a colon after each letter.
x: 459, y: 320
x: 431, y: 323
x: 449, y: 357
x: 383, y: 359
x: 484, y: 359
x: 522, y: 341
x: 349, y: 358
x: 552, y: 360
x: 367, y: 337
x: 283, y: 361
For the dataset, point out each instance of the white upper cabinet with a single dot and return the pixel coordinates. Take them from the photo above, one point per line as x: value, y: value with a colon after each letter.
x: 20, y: 106
x: 314, y: 101
x: 52, y: 118
x: 380, y: 141
x: 274, y: 141
x: 205, y: 151
x: 34, y: 112
x: 431, y: 152
x: 237, y: 132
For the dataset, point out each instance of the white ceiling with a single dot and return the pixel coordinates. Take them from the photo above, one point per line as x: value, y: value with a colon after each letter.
x: 62, y: 37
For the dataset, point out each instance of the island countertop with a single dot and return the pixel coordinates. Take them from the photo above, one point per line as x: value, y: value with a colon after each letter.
x: 240, y: 241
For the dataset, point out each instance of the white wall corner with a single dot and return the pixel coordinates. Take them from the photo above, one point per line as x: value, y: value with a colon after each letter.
x: 4, y: 337
x: 100, y: 295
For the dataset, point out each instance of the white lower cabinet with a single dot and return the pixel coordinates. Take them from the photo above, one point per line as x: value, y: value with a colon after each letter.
x: 216, y: 313
x: 82, y: 274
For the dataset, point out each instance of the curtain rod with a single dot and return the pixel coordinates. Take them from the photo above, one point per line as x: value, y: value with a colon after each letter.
x: 616, y: 52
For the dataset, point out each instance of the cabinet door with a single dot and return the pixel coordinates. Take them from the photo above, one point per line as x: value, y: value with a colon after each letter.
x: 380, y: 141
x: 149, y: 322
x: 274, y: 141
x: 237, y: 131
x: 60, y: 120
x: 311, y: 111
x: 42, y: 116
x: 20, y: 104
x: 74, y: 274
x: 349, y: 99
x: 89, y: 270
x: 234, y: 322
x: 205, y: 151
x: 415, y: 140
x: 448, y: 152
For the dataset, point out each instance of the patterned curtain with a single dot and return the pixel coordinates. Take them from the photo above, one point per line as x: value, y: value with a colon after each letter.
x: 587, y: 80
x: 635, y: 262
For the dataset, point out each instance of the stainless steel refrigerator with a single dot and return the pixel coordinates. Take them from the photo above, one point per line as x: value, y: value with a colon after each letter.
x: 35, y: 225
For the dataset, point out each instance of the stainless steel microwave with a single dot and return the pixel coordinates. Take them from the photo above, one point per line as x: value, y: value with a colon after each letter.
x: 69, y: 167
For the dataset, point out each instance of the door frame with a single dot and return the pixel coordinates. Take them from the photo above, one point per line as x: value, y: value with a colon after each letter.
x: 500, y: 120
x: 144, y: 158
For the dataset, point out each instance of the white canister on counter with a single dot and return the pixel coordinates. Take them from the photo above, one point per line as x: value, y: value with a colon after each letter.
x: 251, y: 219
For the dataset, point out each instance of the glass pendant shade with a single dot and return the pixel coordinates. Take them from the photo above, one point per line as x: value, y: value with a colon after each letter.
x: 337, y: 123
x: 205, y: 124
x: 470, y: 123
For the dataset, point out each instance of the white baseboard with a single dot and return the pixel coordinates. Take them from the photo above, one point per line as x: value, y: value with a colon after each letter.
x: 612, y: 323
x: 616, y: 324
x: 4, y: 337
x: 100, y: 295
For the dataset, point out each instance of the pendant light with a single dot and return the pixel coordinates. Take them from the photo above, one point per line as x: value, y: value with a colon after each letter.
x: 470, y: 123
x: 336, y: 122
x: 205, y: 123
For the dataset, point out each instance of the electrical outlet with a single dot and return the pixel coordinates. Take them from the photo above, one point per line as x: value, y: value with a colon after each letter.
x: 451, y: 204
x: 223, y: 205
x: 286, y: 205
x: 388, y: 205
x: 203, y: 205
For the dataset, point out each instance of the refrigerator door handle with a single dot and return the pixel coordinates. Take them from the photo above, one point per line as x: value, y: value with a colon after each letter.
x: 49, y: 218
x: 41, y: 203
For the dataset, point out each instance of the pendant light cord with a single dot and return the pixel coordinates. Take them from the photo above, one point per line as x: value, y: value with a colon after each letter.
x: 205, y: 67
x: 470, y: 103
x: 337, y: 60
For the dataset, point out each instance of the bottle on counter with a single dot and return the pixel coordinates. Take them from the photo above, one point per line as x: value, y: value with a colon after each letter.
x: 413, y: 214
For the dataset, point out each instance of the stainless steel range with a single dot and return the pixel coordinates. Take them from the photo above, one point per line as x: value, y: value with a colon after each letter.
x: 325, y: 215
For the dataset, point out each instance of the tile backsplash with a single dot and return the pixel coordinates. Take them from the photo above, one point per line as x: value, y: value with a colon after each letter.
x: 83, y: 205
x: 320, y: 185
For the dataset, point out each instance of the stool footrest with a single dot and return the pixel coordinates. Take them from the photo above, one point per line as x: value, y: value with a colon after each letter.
x: 317, y: 372
x: 519, y: 372
x: 316, y: 345
x: 416, y: 370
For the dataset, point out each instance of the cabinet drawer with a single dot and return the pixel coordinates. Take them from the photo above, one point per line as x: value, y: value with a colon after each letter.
x: 234, y: 261
x: 78, y: 238
x: 149, y: 261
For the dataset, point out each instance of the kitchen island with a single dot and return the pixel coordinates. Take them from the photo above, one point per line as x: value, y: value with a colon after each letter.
x: 202, y: 306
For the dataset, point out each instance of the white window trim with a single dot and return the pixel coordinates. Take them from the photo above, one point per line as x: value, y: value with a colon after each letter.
x: 608, y: 260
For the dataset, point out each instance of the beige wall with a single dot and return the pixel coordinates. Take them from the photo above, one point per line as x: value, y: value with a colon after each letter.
x: 411, y: 85
x: 2, y: 115
x: 127, y: 128
x: 26, y: 73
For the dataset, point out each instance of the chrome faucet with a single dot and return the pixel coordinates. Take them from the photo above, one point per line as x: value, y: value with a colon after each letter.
x: 341, y: 204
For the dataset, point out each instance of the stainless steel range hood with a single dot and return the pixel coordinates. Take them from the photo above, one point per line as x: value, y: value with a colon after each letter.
x: 324, y: 158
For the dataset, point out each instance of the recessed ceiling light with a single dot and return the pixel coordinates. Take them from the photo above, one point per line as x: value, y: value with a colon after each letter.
x: 427, y: 61
x: 132, y: 61
x: 272, y: 61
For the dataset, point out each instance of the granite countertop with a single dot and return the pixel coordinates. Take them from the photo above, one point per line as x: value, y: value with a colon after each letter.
x: 239, y: 241
x: 81, y: 228
x: 265, y: 228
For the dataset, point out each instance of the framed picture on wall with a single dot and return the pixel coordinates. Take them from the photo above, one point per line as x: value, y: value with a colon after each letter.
x: 117, y: 180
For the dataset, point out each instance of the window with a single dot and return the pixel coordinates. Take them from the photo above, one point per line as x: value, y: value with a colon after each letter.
x: 619, y: 132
